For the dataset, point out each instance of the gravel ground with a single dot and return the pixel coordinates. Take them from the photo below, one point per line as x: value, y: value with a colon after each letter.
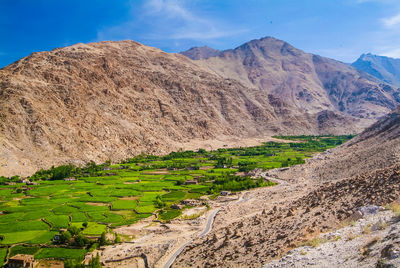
x: 374, y: 239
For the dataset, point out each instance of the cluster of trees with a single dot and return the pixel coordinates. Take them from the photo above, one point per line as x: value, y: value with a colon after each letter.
x: 231, y: 182
x: 223, y: 161
x: 179, y: 154
x: 290, y: 162
x: 142, y: 158
x: 74, y: 237
x: 78, y: 239
x: 246, y: 166
x: 65, y: 171
x: 4, y: 179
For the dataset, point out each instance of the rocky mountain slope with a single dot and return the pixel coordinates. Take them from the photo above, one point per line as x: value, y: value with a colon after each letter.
x: 308, y: 82
x: 199, y: 53
x: 384, y: 68
x: 113, y: 100
x: 307, y: 204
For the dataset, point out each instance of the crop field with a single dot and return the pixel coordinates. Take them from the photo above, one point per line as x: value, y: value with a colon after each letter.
x: 97, y: 198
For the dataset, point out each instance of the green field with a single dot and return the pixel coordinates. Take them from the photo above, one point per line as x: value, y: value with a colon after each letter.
x: 60, y: 253
x: 3, y: 253
x: 98, y: 198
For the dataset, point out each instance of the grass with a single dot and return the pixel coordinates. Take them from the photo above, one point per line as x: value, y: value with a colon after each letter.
x: 147, y: 209
x: 3, y: 254
x: 19, y: 249
x: 94, y: 229
x: 19, y: 237
x: 124, y: 204
x: 315, y: 242
x: 58, y: 221
x: 60, y: 253
x: 170, y: 214
x: 395, y: 207
x: 173, y: 196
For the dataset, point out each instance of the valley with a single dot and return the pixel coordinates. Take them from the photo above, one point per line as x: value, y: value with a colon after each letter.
x: 65, y: 211
x: 177, y: 133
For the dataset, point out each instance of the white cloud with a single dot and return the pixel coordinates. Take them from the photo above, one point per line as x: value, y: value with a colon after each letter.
x: 393, y: 53
x: 391, y: 21
x: 169, y: 19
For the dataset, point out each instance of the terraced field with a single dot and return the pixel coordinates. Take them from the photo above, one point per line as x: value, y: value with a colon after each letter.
x: 97, y: 198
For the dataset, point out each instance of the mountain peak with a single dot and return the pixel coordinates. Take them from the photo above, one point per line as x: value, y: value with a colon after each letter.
x: 199, y: 53
x: 384, y: 68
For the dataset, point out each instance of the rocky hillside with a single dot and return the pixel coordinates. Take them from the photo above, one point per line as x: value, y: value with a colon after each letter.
x: 308, y: 203
x: 384, y: 68
x: 308, y: 82
x: 113, y: 100
x: 376, y: 147
x: 199, y: 53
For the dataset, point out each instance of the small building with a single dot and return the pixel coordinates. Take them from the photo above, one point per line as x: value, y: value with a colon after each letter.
x: 70, y: 179
x: 176, y: 206
x: 189, y: 202
x: 111, y: 174
x: 31, y: 183
x: 107, y: 168
x: 225, y: 193
x: 21, y: 260
x: 191, y: 182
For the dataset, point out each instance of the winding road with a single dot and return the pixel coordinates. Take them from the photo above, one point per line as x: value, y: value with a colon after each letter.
x: 206, y: 230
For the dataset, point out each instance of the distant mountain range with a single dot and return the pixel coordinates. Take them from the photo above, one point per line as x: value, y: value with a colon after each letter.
x: 113, y: 100
x: 308, y: 82
x: 384, y: 68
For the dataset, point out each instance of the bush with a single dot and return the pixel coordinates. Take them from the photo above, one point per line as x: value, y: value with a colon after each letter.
x: 74, y: 230
x: 81, y: 240
x: 65, y: 237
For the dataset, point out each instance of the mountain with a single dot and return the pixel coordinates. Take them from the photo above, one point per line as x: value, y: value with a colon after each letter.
x: 308, y: 82
x: 309, y: 200
x: 198, y: 53
x: 384, y: 68
x: 113, y: 100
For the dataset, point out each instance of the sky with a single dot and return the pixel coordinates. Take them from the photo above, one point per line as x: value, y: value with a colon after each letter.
x: 338, y: 29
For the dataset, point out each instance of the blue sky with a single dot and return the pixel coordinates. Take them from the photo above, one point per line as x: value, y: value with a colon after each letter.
x: 339, y: 29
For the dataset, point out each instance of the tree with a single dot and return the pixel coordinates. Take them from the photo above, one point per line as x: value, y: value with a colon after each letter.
x: 72, y: 263
x: 102, y: 239
x: 85, y: 224
x: 74, y: 230
x: 65, y: 237
x: 117, y: 239
x: 159, y: 202
x: 81, y: 240
x: 95, y: 262
x: 62, y: 172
